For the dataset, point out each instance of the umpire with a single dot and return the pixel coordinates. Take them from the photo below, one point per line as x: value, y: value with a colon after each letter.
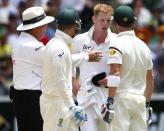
x: 27, y: 56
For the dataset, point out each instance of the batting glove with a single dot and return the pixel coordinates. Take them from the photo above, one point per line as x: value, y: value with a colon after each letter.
x: 107, y: 111
x: 149, y: 112
x: 79, y: 115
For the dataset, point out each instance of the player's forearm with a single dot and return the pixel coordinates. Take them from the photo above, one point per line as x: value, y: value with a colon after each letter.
x: 149, y: 85
x: 148, y: 93
x: 75, y: 85
x: 111, y: 91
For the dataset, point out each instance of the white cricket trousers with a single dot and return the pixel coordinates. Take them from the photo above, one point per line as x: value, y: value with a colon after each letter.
x: 130, y: 113
x: 94, y: 124
x: 56, y: 116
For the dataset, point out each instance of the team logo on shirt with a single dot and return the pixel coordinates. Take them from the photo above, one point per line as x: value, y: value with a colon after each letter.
x: 112, y: 52
x: 60, y: 122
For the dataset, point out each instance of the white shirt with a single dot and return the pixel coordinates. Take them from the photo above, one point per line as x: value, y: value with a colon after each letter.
x: 82, y: 43
x: 135, y: 57
x: 57, y: 68
x: 27, y: 57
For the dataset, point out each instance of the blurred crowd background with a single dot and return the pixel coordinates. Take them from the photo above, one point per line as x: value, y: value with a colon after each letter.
x: 149, y: 28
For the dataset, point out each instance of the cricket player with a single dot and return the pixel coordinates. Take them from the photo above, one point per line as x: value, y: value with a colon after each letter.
x: 130, y: 81
x: 98, y: 38
x: 57, y: 106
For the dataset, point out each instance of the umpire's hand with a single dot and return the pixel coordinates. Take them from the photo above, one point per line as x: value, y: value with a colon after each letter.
x: 94, y: 56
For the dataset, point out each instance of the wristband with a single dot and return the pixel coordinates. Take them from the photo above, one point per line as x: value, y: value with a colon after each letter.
x: 113, y: 81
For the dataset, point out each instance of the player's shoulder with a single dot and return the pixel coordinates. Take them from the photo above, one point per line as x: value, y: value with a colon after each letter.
x: 116, y: 40
x: 81, y: 37
x: 142, y: 44
x: 56, y: 44
x: 116, y: 43
x: 114, y: 35
x: 79, y: 40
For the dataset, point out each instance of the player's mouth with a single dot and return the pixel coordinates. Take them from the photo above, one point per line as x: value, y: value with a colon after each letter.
x: 104, y: 28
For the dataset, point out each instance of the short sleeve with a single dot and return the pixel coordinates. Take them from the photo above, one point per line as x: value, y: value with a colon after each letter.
x: 150, y: 62
x: 114, y: 56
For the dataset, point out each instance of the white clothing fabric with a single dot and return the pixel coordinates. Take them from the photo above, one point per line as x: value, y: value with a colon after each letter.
x: 56, y: 116
x: 56, y: 98
x: 82, y: 43
x: 94, y: 124
x: 130, y: 113
x: 135, y: 57
x: 90, y: 96
x: 27, y: 57
x: 129, y: 101
x: 78, y: 59
x: 57, y: 68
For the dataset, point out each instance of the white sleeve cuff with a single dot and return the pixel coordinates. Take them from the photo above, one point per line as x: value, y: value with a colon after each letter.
x: 86, y: 56
x: 114, y: 61
x: 113, y: 81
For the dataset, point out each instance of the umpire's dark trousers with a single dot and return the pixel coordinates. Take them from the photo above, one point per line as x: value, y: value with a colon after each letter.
x: 26, y: 109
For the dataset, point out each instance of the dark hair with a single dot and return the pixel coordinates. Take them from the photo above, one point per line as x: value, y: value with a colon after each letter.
x: 63, y: 27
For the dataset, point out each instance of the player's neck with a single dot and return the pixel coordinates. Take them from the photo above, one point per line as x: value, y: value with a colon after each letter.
x: 99, y: 37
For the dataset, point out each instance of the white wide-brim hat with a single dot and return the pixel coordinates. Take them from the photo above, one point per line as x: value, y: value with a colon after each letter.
x: 34, y: 17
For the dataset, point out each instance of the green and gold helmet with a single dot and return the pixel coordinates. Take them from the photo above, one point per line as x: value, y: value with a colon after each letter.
x: 68, y: 17
x: 124, y: 15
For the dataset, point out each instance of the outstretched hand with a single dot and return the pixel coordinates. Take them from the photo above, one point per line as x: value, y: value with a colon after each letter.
x: 94, y: 56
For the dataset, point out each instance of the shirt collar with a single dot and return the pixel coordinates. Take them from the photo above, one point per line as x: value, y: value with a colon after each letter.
x: 28, y: 36
x: 126, y: 33
x: 64, y: 36
x: 90, y: 34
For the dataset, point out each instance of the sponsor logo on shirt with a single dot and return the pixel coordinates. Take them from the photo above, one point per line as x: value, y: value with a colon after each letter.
x: 61, y: 54
x: 36, y: 49
x: 85, y: 47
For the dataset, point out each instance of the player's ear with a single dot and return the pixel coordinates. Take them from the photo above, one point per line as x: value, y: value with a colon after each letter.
x: 93, y: 19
